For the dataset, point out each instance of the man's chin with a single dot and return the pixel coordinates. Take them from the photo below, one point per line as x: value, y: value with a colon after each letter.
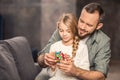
x: 82, y: 36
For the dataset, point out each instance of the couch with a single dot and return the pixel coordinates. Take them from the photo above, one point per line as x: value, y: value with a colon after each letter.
x: 16, y: 61
x: 1, y: 27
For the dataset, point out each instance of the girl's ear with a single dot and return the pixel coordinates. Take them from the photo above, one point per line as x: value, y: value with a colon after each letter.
x: 99, y: 26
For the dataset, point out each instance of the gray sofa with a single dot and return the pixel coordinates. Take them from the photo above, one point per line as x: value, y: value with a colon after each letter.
x: 16, y: 62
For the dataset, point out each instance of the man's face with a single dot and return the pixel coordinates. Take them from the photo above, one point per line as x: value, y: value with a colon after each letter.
x: 87, y: 23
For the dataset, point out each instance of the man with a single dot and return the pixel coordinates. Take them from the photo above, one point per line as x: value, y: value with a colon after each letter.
x: 89, y: 25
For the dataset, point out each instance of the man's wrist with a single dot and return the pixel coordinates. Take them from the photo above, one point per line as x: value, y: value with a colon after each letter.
x: 75, y: 72
x: 41, y: 61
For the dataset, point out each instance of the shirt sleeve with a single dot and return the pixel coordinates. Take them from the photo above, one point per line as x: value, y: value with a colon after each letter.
x: 102, y: 59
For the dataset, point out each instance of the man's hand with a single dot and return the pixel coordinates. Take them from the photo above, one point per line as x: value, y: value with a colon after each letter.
x: 69, y: 68
x: 67, y: 65
x: 49, y: 59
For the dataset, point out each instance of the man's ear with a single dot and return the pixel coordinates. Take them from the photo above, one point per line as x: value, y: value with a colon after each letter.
x: 99, y: 26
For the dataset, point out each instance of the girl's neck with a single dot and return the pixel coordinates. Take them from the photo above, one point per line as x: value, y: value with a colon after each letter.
x: 68, y: 43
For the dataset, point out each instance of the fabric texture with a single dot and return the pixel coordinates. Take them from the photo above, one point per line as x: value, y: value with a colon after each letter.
x: 43, y: 75
x: 99, y: 52
x: 80, y: 60
x: 21, y: 52
x: 98, y: 48
x: 8, y: 69
x: 16, y: 61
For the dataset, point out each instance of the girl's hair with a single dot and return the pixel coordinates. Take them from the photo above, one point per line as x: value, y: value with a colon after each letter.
x: 71, y: 21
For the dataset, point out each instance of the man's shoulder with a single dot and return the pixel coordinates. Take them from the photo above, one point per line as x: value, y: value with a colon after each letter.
x: 101, y: 36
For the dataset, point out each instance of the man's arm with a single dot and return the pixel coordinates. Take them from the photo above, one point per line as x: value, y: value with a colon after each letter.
x: 101, y: 62
x: 69, y: 68
x: 40, y: 61
x: 55, y: 37
x: 88, y: 75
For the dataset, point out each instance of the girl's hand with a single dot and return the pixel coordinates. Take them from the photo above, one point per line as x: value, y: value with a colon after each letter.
x: 67, y: 65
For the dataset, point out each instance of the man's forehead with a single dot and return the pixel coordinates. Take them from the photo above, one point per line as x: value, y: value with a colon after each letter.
x: 89, y: 16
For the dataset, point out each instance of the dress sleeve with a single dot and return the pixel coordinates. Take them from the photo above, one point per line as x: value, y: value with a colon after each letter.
x: 50, y: 72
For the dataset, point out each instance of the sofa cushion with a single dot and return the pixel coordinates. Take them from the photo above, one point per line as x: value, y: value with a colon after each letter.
x: 8, y: 70
x: 22, y: 54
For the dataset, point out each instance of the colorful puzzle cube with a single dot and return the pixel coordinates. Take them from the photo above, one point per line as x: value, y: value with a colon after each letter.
x: 59, y: 56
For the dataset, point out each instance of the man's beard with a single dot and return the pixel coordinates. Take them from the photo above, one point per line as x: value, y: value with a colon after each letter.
x: 83, y: 37
x: 88, y: 34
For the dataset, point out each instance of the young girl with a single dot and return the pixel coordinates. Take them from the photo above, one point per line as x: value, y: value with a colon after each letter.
x: 70, y: 45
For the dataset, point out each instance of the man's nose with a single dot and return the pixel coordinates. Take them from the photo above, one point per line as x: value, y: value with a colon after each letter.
x: 83, y: 26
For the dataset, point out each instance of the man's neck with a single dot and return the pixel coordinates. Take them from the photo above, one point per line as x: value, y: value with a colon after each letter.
x: 84, y: 39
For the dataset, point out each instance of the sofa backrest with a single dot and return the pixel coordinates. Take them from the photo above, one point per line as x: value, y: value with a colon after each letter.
x: 8, y: 69
x: 20, y: 49
x: 22, y: 54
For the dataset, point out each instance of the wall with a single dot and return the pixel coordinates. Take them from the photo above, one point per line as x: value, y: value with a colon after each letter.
x: 34, y: 19
x: 50, y: 12
x: 22, y: 18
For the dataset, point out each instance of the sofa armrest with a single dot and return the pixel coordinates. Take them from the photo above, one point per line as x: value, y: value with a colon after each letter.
x: 8, y: 69
x: 21, y: 51
x: 38, y: 67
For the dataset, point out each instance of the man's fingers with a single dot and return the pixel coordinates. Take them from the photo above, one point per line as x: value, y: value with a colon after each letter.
x: 62, y: 67
x: 49, y: 59
x: 64, y: 62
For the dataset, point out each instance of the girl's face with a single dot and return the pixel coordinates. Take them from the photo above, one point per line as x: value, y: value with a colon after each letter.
x: 65, y: 33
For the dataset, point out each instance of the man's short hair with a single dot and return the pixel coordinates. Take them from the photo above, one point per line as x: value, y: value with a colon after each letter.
x: 92, y: 7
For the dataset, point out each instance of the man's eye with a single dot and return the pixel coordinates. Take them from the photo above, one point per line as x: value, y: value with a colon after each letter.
x: 81, y: 21
x: 90, y: 25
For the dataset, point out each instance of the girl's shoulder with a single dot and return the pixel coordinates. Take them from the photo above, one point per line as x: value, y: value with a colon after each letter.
x: 57, y: 43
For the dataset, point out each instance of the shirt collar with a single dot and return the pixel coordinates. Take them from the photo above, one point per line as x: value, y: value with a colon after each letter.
x: 93, y: 38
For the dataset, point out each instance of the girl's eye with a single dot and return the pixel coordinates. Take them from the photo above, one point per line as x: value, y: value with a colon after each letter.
x: 69, y: 31
x: 60, y: 30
